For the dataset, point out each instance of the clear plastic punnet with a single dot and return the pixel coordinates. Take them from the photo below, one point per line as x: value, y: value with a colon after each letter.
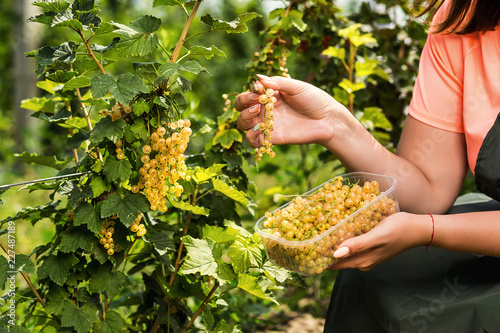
x: 302, y: 234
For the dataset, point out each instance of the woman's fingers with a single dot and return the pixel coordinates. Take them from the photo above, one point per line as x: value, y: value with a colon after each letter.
x: 249, y: 117
x: 245, y: 100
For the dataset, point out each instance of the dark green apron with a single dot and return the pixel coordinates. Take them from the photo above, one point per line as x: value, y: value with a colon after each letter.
x: 437, y: 291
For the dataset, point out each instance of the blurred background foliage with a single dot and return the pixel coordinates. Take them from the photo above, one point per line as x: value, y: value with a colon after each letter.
x: 399, y: 39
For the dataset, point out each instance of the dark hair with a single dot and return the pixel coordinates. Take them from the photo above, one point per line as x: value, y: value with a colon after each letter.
x: 463, y: 16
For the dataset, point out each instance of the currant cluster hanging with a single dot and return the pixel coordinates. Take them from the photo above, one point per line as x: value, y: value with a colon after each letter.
x: 268, y: 100
x: 164, y: 163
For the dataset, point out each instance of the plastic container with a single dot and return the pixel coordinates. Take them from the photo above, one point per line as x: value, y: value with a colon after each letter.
x: 314, y: 255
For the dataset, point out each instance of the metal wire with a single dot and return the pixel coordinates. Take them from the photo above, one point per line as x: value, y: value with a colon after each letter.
x: 46, y: 179
x: 65, y: 176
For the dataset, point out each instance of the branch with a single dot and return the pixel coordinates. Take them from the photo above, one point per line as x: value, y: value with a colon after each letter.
x: 27, y: 279
x: 181, y: 246
x: 200, y: 309
x: 182, y: 38
x: 92, y: 55
x: 87, y: 118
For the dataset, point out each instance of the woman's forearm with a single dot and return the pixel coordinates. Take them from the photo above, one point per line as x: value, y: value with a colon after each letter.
x: 428, y: 185
x: 477, y: 232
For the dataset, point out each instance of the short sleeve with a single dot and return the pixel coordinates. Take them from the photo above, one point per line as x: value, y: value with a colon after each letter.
x: 438, y: 93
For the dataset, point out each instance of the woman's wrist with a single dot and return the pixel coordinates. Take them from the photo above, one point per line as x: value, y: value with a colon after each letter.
x: 421, y: 227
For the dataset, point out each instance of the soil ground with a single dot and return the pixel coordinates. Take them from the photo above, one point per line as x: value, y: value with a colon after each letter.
x: 299, y: 323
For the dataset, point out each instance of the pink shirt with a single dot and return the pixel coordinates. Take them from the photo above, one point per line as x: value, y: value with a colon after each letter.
x: 458, y: 86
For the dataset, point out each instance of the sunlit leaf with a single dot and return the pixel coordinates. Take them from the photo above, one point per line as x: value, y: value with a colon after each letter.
x: 230, y: 191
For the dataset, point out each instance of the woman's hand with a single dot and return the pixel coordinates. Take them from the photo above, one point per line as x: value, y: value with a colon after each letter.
x: 390, y: 237
x: 303, y: 113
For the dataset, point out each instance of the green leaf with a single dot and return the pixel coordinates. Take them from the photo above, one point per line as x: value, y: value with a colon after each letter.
x: 76, y: 238
x: 226, y: 137
x: 370, y: 67
x: 200, y: 257
x: 115, y: 169
x: 65, y: 53
x: 244, y: 255
x: 35, y: 214
x: 223, y: 327
x: 100, y: 85
x: 76, y: 140
x: 202, y: 175
x: 127, y: 208
x: 351, y: 87
x: 24, y: 264
x: 56, y: 296
x: 50, y: 161
x: 4, y: 267
x: 44, y: 18
x: 208, y: 319
x: 335, y: 52
x: 107, y: 128
x: 114, y: 323
x: 374, y: 117
x: 162, y: 240
x: 98, y: 186
x: 77, y: 123
x: 56, y: 267
x: 18, y: 329
x: 167, y: 3
x: 138, y: 38
x: 42, y: 104
x: 61, y: 76
x: 192, y: 66
x: 207, y: 52
x: 66, y: 19
x: 238, y: 25
x: 168, y: 69
x: 75, y: 193
x: 293, y: 20
x: 218, y: 234
x: 104, y: 280
x: 77, y: 82
x: 231, y: 192
x: 277, y: 273
x: 86, y: 214
x: 355, y: 36
x: 252, y: 286
x: 48, y: 85
x: 139, y: 128
x: 60, y: 117
x: 139, y: 108
x: 101, y: 49
x: 52, y: 5
x: 123, y: 89
x: 81, y: 319
x: 198, y: 210
x: 83, y: 5
x: 126, y: 87
x: 104, y: 28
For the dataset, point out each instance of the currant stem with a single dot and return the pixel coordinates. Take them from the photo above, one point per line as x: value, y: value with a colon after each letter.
x: 182, y: 38
x: 200, y: 309
x: 87, y: 119
x: 26, y: 278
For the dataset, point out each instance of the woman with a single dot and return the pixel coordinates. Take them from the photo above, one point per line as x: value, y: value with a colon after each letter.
x: 388, y: 281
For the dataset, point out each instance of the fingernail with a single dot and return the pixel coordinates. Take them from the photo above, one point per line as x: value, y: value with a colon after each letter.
x: 341, y: 252
x: 263, y: 77
x: 256, y: 127
x: 253, y: 97
x: 255, y: 87
x: 254, y: 109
